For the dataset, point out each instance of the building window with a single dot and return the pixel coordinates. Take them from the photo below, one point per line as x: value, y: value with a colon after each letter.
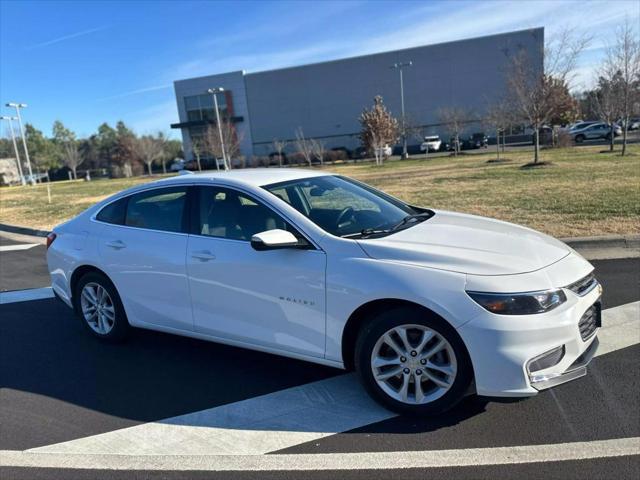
x: 200, y: 107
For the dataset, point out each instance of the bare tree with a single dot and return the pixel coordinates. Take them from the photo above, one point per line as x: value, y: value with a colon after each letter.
x: 454, y: 118
x: 149, y: 150
x: 607, y: 101
x: 72, y: 157
x: 303, y: 145
x: 539, y: 95
x: 162, y: 139
x: 498, y: 118
x: 231, y: 140
x: 197, y: 148
x: 622, y: 67
x: 318, y: 149
x: 379, y: 129
x: 279, y: 146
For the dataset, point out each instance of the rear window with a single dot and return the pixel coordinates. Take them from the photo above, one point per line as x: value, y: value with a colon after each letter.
x: 158, y: 209
x: 114, y: 212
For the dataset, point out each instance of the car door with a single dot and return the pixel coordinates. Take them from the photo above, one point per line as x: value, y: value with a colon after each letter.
x: 270, y: 298
x: 144, y: 255
x: 595, y: 132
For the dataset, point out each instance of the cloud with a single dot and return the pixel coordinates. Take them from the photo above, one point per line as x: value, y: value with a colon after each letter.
x: 156, y: 118
x: 136, y: 92
x: 66, y: 37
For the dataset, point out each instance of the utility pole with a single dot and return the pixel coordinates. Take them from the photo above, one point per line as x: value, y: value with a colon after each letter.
x: 400, y: 66
x: 15, y: 146
x: 213, y: 92
x: 18, y: 106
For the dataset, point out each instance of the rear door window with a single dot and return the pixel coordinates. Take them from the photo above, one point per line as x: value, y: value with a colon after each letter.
x: 114, y: 212
x: 158, y: 209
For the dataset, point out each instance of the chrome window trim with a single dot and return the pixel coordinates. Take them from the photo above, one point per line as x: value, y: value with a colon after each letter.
x: 94, y: 218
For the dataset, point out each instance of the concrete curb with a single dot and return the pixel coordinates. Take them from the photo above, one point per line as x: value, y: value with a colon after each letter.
x: 603, y: 241
x: 23, y: 230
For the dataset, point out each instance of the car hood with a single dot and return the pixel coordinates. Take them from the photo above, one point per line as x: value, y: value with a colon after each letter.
x: 468, y: 244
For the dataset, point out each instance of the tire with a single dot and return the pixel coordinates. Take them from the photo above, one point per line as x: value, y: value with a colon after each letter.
x: 110, y: 322
x: 579, y: 138
x: 431, y: 398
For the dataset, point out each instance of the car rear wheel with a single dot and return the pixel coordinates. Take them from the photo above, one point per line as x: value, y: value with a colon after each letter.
x: 413, y: 362
x: 99, y: 307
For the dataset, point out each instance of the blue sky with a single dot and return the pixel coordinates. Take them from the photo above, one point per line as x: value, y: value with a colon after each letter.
x: 94, y: 61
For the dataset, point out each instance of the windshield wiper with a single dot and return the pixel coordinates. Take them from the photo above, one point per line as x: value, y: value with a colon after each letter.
x: 408, y: 218
x: 367, y: 232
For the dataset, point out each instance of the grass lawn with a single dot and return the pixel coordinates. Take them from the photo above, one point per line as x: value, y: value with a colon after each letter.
x: 582, y: 193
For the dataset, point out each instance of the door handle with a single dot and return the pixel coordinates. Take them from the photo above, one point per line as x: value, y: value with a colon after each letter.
x: 203, y: 255
x: 116, y: 244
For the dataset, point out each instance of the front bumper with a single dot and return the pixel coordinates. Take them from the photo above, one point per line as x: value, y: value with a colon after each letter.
x: 503, y: 347
x: 576, y: 370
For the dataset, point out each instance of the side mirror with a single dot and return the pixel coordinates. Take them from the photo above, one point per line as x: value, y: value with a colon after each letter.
x: 273, y: 239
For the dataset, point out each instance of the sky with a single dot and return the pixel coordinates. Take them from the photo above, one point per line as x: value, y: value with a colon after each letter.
x: 90, y: 62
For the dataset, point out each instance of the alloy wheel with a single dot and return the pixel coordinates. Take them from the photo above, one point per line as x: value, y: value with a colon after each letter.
x: 413, y: 364
x: 98, y: 309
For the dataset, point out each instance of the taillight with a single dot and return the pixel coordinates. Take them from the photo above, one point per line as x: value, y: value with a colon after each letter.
x: 50, y: 238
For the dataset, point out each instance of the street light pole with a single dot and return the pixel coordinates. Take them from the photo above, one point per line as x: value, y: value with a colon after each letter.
x: 213, y: 92
x: 15, y: 146
x: 18, y: 106
x: 400, y: 66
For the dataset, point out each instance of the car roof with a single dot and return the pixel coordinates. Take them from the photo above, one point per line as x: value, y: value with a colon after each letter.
x: 255, y: 177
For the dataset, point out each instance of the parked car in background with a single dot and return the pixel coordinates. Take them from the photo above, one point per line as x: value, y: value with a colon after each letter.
x: 177, y: 165
x: 594, y: 131
x: 385, y: 151
x: 451, y: 144
x: 634, y: 123
x: 347, y: 153
x: 477, y: 140
x: 579, y: 125
x: 412, y: 149
x: 432, y: 143
x: 428, y: 306
x: 359, y: 153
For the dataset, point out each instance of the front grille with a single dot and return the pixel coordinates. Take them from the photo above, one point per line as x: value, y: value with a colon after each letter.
x: 584, y: 285
x: 589, y: 322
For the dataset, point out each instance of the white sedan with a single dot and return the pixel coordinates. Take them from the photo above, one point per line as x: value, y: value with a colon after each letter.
x: 427, y: 305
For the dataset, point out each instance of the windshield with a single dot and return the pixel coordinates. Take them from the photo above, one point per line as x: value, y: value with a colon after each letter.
x: 346, y: 208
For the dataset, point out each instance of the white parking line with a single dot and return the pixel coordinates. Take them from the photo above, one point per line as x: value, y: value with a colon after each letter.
x: 282, y: 419
x: 12, y: 248
x: 621, y: 328
x: 26, y: 295
x: 469, y: 457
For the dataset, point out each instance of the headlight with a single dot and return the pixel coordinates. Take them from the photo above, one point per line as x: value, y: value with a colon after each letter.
x: 519, y: 303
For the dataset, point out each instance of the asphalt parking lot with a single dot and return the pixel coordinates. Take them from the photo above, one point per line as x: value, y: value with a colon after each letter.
x: 64, y: 392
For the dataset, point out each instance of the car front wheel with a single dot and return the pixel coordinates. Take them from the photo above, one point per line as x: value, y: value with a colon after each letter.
x: 99, y: 307
x: 579, y: 138
x: 413, y: 362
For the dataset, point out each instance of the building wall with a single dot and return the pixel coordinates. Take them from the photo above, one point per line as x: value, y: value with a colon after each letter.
x: 233, y: 82
x: 325, y: 99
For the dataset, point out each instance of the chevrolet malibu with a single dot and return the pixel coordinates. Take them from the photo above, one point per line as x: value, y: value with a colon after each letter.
x: 427, y: 305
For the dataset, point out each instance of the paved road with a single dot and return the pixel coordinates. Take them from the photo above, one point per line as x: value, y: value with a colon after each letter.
x: 59, y: 385
x: 24, y: 268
